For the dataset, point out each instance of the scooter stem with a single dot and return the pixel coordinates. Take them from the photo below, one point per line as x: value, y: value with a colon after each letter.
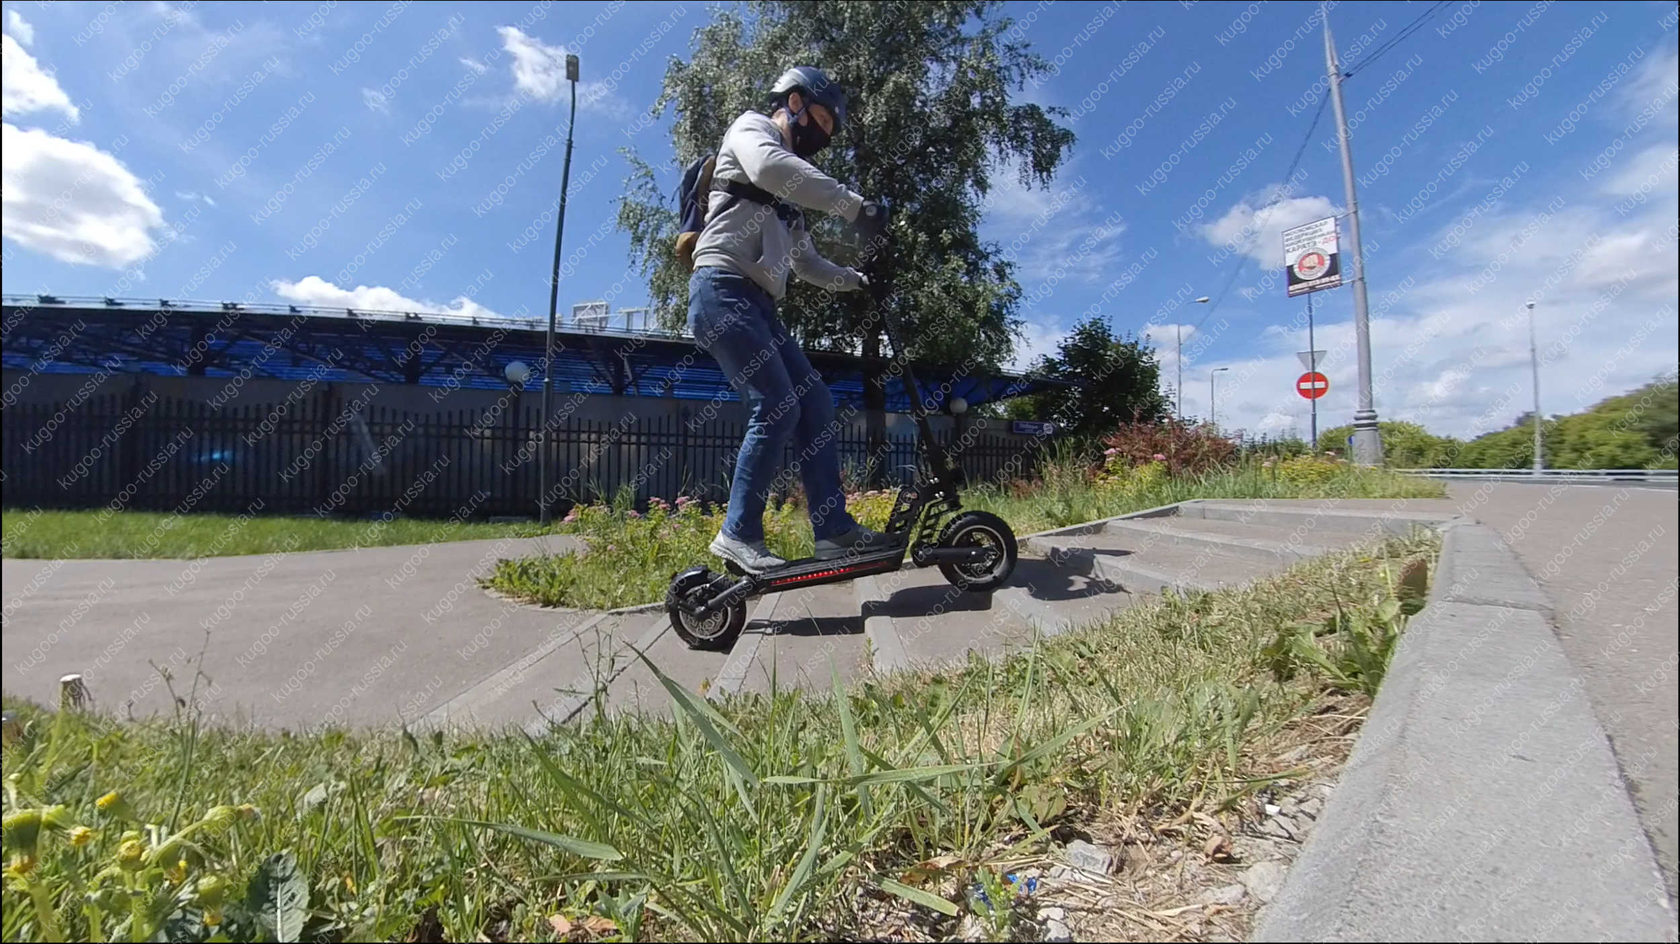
x: 879, y: 291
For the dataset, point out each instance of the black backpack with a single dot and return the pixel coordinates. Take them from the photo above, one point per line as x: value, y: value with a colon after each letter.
x: 694, y: 197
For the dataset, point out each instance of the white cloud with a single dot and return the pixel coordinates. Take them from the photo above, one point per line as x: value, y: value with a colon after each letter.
x: 74, y: 202
x: 19, y: 27
x: 1451, y: 349
x: 539, y: 70
x: 192, y: 197
x: 1054, y: 234
x: 472, y: 63
x: 316, y: 291
x: 1651, y: 91
x: 25, y: 87
x: 376, y: 101
x: 1649, y: 172
x: 1257, y: 230
x: 1040, y: 339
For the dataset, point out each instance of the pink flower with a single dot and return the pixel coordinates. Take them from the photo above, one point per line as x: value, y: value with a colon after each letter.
x: 1111, y: 451
x: 1160, y: 457
x: 634, y: 513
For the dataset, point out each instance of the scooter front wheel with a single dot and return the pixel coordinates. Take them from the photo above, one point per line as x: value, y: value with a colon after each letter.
x: 716, y: 631
x: 980, y: 529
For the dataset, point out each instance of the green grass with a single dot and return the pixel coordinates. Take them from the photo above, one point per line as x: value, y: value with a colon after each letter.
x: 762, y: 818
x: 144, y: 534
x: 631, y: 557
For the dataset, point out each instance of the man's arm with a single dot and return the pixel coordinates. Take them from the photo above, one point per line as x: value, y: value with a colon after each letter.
x: 768, y: 164
x: 813, y: 268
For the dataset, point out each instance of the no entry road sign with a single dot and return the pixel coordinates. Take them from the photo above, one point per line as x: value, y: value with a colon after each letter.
x: 1312, y: 385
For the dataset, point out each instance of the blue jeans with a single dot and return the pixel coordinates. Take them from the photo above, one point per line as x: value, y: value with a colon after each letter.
x: 735, y: 322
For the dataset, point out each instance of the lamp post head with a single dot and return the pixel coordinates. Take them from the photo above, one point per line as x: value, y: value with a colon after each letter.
x: 571, y: 68
x: 517, y: 373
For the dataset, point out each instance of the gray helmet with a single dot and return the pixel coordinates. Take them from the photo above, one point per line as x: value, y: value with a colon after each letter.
x: 814, y: 85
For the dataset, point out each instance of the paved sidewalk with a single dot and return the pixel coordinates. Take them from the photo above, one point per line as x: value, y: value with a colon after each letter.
x: 352, y: 637
x: 1606, y: 557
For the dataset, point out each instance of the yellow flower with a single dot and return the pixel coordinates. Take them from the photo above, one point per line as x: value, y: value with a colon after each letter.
x: 131, y: 855
x: 114, y: 804
x: 81, y: 836
x: 211, y: 889
x: 178, y: 872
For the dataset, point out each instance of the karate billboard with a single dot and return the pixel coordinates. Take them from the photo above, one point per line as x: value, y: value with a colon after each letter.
x: 1312, y: 257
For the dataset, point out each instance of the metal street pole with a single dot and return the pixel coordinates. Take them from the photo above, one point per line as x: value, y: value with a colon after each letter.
x: 1534, y: 361
x: 1312, y: 355
x: 554, y: 298
x: 1178, y: 389
x: 1213, y: 411
x: 1367, y: 443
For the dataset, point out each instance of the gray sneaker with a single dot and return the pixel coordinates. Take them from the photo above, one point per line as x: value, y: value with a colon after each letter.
x: 858, y: 541
x: 753, y: 558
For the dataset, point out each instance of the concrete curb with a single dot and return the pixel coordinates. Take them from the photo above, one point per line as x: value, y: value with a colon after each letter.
x: 886, y: 643
x: 733, y: 675
x: 1482, y: 799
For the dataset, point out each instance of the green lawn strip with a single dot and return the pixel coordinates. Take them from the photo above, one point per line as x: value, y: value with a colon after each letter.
x: 632, y: 556
x: 648, y: 825
x: 33, y: 533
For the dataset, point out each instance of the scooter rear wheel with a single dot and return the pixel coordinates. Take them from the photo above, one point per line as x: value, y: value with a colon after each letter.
x: 716, y: 631
x: 980, y: 529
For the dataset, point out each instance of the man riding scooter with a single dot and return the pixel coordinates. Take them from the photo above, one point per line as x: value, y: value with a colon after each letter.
x: 750, y: 241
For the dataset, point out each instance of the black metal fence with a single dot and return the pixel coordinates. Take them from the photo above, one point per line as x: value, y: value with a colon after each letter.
x: 336, y: 455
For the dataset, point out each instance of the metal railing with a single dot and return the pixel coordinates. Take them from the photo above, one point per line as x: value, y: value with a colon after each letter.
x: 1661, y: 477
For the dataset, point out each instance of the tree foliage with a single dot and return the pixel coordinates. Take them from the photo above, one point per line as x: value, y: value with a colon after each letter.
x: 1635, y: 430
x: 1105, y: 382
x: 931, y: 119
x: 1405, y: 445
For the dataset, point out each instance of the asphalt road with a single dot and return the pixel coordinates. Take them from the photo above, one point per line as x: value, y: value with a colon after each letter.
x: 294, y: 640
x: 1607, y: 559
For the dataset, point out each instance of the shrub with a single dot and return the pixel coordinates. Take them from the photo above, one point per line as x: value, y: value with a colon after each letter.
x: 1310, y: 470
x: 1184, y: 449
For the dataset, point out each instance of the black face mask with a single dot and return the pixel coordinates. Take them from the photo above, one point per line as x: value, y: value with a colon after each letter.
x: 808, y: 138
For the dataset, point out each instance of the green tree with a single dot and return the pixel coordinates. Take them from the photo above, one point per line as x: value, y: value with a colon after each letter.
x: 932, y: 117
x: 1104, y: 381
x: 1405, y: 445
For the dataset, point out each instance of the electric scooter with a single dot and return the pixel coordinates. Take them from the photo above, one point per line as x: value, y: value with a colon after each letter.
x: 974, y: 550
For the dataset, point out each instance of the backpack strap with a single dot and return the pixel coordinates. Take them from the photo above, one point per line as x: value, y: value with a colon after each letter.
x: 741, y: 190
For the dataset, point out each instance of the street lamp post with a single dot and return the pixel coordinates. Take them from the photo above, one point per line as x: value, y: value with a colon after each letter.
x: 1534, y: 363
x: 1213, y: 412
x: 1178, y: 389
x: 554, y: 298
x: 1367, y: 438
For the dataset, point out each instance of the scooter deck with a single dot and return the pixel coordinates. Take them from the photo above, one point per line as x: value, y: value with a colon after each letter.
x: 810, y: 570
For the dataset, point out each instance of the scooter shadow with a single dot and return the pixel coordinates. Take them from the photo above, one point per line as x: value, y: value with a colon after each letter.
x: 1072, y: 579
x: 802, y: 625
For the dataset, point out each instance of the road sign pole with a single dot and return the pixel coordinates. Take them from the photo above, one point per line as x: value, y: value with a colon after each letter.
x: 1312, y: 349
x: 1367, y: 443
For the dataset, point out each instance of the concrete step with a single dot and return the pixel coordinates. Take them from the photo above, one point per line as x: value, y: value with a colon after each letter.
x: 792, y: 638
x: 1254, y: 541
x: 925, y: 622
x: 551, y: 680
x: 1154, y: 568
x: 637, y: 690
x: 1305, y: 519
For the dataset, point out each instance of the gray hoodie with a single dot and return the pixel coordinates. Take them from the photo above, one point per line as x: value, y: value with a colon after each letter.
x: 748, y: 238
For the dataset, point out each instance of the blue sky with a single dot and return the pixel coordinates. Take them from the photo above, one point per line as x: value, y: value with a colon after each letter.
x: 409, y: 155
